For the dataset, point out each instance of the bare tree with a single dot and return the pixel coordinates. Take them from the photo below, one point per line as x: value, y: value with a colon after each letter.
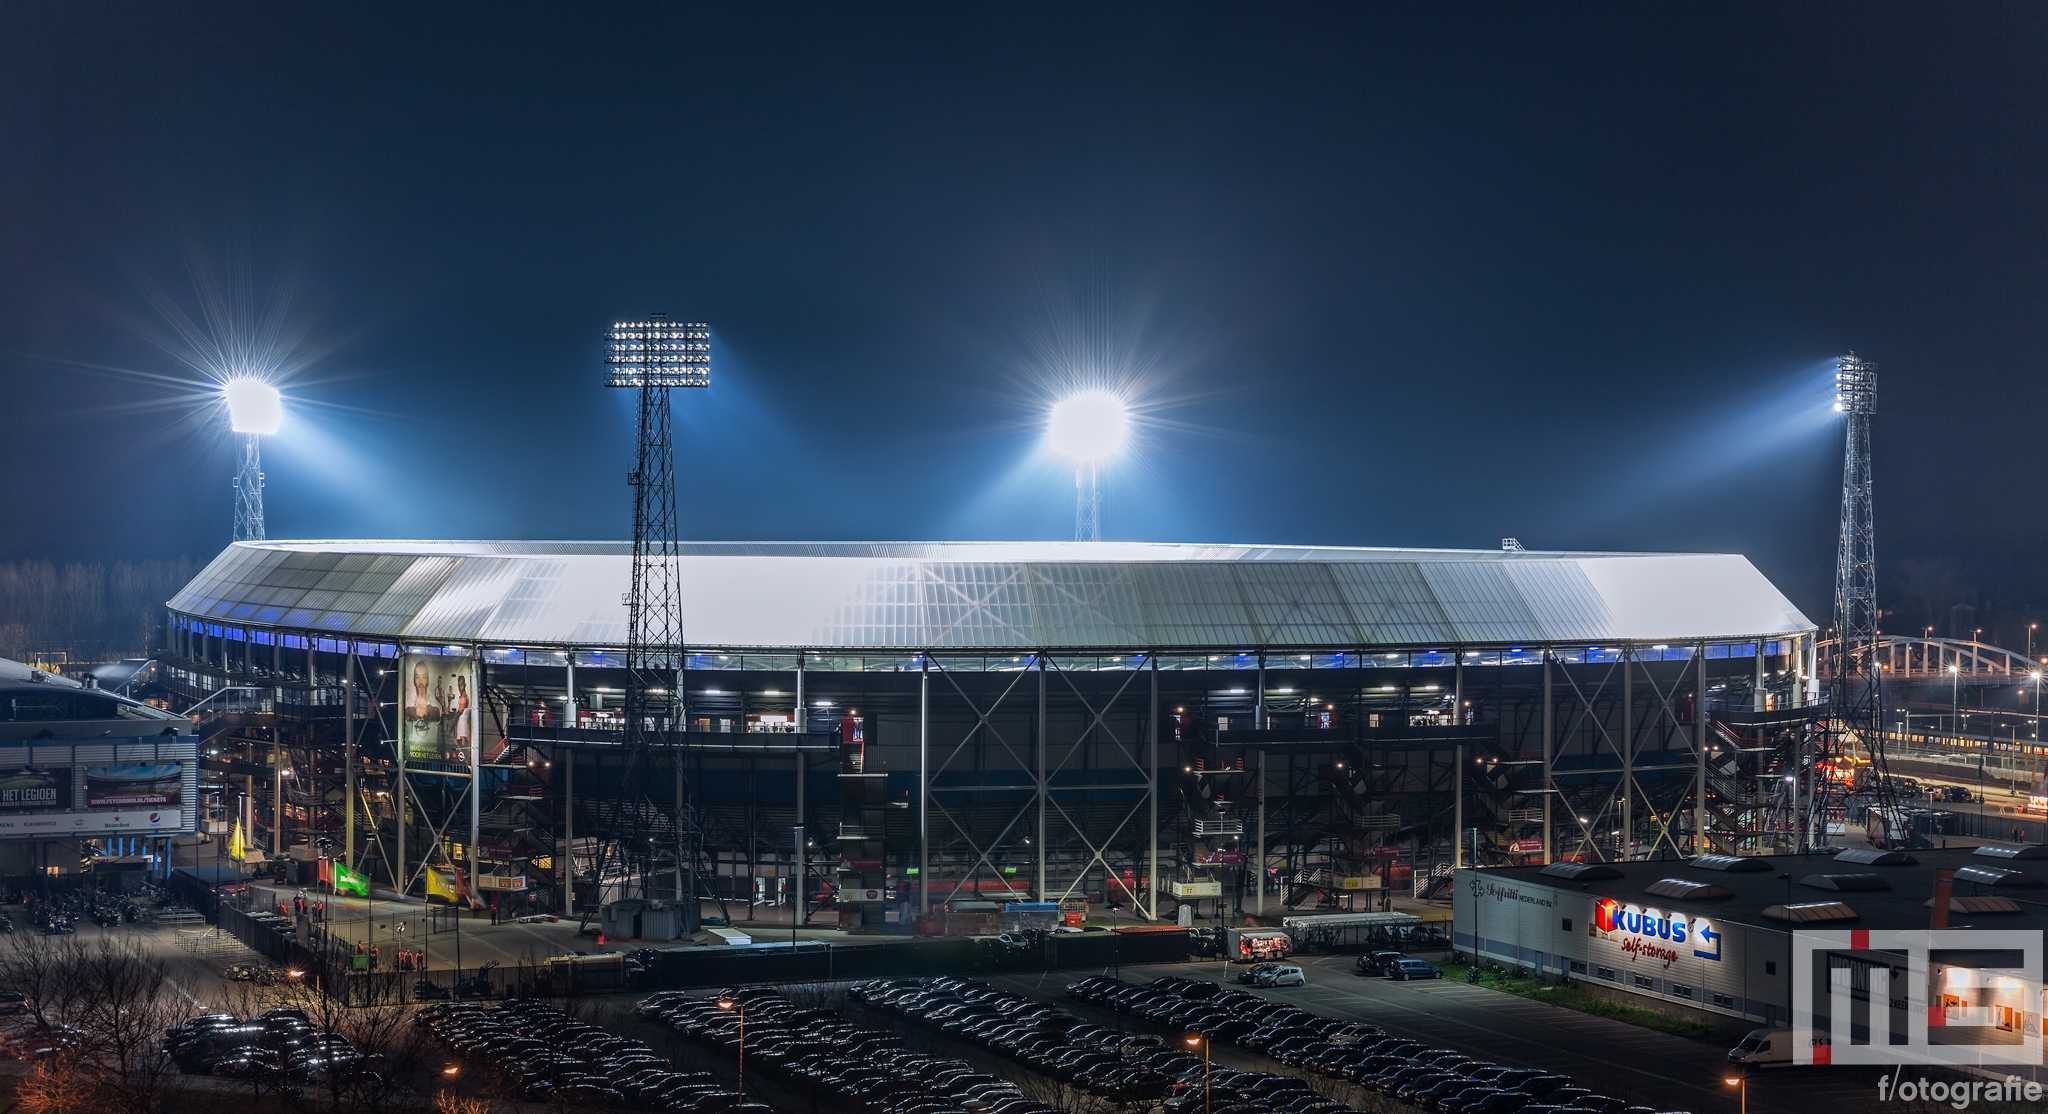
x: 94, y: 1014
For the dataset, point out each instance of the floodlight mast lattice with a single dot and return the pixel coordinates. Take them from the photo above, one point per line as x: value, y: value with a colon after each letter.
x: 249, y: 492
x: 1855, y: 702
x: 652, y: 357
x: 254, y: 410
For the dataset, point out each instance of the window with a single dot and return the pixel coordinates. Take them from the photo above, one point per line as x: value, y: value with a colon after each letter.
x: 1606, y: 972
x: 1681, y: 991
x: 1644, y: 982
x: 1725, y: 1001
x: 1770, y: 966
x: 1567, y: 924
x: 1578, y: 966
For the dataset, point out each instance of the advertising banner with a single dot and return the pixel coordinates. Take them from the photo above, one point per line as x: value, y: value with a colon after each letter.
x: 35, y: 788
x: 437, y: 708
x: 158, y: 785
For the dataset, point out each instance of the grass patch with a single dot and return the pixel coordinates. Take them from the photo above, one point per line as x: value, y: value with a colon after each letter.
x: 1573, y: 998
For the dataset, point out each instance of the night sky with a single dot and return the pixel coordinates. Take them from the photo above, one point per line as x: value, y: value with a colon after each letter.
x: 1377, y: 275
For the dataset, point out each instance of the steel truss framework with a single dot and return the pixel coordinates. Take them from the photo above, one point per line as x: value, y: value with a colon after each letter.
x: 1058, y: 775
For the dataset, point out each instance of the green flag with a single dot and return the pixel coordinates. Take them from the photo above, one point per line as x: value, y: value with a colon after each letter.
x: 348, y: 881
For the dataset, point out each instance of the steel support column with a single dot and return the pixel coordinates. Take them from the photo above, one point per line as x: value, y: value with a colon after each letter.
x: 1700, y: 845
x: 568, y: 830
x: 476, y: 774
x: 1458, y: 807
x: 1039, y: 776
x: 1549, y: 759
x: 924, y: 786
x: 1259, y: 871
x: 1628, y: 752
x: 1152, y: 795
x: 348, y: 757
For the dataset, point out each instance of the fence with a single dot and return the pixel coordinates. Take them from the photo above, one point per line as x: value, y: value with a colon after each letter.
x: 308, y: 947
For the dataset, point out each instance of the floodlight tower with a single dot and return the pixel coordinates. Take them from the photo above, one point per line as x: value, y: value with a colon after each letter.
x: 1856, y: 707
x: 652, y: 357
x: 1089, y: 430
x: 255, y: 411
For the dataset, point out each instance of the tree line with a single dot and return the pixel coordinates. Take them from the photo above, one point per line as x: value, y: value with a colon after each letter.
x: 89, y: 611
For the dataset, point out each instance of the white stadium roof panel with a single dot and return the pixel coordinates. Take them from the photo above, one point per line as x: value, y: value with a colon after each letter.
x: 995, y: 595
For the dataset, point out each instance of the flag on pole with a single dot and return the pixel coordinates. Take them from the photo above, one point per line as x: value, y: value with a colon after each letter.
x: 439, y: 886
x: 238, y: 847
x: 349, y: 881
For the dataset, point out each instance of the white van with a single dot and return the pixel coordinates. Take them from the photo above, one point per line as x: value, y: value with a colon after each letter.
x: 1768, y: 1048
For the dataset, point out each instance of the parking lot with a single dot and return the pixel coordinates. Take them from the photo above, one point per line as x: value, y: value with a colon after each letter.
x: 1644, y: 1067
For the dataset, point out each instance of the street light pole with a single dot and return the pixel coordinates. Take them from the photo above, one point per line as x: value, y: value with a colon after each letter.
x: 1741, y: 1085
x: 2036, y: 707
x: 732, y: 1003
x: 1195, y: 1039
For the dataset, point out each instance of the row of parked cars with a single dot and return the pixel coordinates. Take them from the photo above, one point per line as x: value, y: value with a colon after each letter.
x: 1439, y: 1079
x: 818, y: 1051
x: 1117, y: 1065
x: 547, y: 1055
x: 276, y: 1043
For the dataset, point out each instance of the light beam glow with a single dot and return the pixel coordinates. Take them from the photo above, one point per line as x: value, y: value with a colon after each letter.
x: 254, y: 406
x: 1090, y: 427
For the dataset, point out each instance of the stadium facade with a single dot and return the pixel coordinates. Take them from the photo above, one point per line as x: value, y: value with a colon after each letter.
x: 1151, y: 724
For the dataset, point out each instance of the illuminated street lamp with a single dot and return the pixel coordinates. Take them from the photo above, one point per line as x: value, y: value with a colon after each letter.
x: 741, y: 1007
x: 1741, y: 1084
x: 1088, y: 430
x: 255, y: 410
x: 1197, y: 1040
x: 2036, y: 677
x: 1955, y: 700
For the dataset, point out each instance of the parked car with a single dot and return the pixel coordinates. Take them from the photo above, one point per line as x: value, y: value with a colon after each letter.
x: 1408, y: 969
x: 1251, y: 974
x: 1377, y: 963
x: 1281, y: 974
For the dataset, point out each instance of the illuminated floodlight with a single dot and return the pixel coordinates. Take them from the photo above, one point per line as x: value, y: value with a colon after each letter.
x: 1088, y: 428
x: 253, y: 406
x: 255, y: 410
x: 1855, y: 386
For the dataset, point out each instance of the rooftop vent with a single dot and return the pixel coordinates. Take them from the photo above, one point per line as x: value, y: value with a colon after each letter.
x: 1997, y: 876
x: 1980, y: 903
x: 1812, y: 912
x: 2012, y: 851
x: 1734, y: 864
x: 1581, y: 872
x: 1688, y: 890
x: 1871, y: 856
x: 1846, y: 883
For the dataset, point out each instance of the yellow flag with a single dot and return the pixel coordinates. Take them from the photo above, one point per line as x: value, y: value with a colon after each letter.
x: 238, y: 847
x: 439, y: 886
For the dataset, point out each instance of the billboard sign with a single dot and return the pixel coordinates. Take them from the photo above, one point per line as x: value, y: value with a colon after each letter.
x: 156, y: 785
x: 92, y: 823
x: 437, y: 708
x: 35, y: 788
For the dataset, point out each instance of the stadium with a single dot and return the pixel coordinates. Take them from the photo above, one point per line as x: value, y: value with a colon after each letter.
x: 1165, y: 730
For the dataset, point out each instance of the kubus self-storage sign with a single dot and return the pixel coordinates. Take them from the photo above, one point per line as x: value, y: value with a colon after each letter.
x: 1653, y: 934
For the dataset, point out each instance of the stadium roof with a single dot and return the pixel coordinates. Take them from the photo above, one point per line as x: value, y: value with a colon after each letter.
x: 995, y: 595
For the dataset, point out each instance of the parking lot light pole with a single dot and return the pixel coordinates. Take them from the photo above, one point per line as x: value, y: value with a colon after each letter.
x: 1197, y: 1040
x: 741, y: 1007
x: 1741, y: 1085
